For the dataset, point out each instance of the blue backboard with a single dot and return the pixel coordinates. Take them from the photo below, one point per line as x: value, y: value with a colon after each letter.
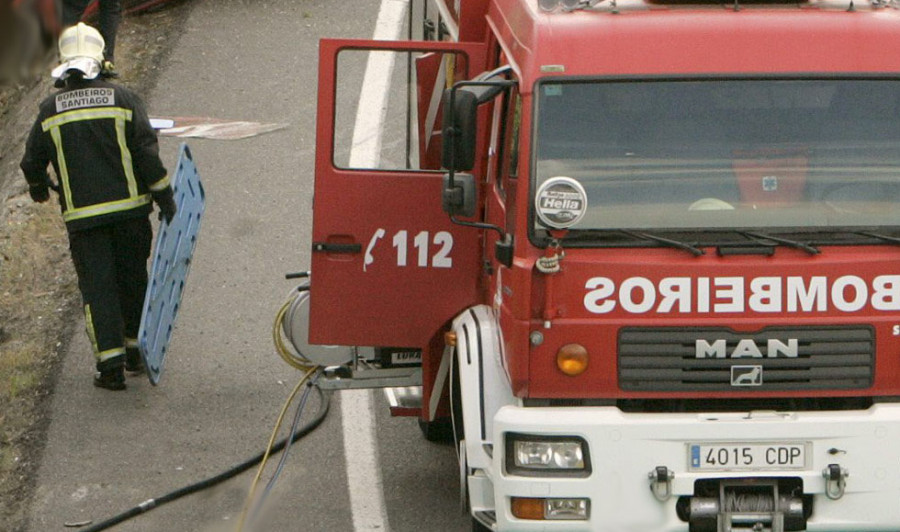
x: 172, y: 254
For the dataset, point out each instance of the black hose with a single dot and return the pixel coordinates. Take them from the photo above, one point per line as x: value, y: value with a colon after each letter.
x: 146, y: 506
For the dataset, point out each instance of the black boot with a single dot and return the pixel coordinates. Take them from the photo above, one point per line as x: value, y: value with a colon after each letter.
x: 111, y: 374
x: 133, y: 361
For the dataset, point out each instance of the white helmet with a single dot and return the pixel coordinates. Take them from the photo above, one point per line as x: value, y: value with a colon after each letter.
x: 81, y: 49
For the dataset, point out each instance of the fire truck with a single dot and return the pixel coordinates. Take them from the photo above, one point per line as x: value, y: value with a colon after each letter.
x: 638, y: 259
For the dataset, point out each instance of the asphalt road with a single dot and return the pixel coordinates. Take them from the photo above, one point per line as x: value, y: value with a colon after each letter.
x: 224, y: 385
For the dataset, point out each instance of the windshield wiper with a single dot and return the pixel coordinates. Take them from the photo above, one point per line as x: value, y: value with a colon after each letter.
x: 694, y: 250
x: 594, y: 234
x: 812, y: 250
x: 885, y: 238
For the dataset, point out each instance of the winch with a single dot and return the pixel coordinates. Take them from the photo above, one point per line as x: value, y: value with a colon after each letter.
x: 747, y: 504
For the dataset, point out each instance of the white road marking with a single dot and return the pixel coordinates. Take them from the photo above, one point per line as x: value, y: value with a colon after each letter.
x: 363, y: 475
x: 366, y: 147
x: 367, y: 504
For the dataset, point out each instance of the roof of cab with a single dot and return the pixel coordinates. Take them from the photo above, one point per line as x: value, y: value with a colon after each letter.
x: 640, y: 38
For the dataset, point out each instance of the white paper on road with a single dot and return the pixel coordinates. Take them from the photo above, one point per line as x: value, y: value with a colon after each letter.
x: 211, y: 128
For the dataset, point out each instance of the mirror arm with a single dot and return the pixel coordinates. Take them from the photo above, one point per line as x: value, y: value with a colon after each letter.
x: 503, y: 247
x: 479, y: 225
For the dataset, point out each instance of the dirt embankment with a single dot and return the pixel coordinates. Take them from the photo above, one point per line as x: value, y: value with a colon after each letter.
x: 39, y: 301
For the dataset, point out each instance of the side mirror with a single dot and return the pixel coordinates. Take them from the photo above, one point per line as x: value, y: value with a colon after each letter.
x: 459, y: 199
x: 459, y: 128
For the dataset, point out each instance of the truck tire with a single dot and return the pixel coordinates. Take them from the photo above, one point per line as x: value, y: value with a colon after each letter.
x: 442, y: 430
x: 456, y: 417
x: 458, y: 433
x: 437, y: 431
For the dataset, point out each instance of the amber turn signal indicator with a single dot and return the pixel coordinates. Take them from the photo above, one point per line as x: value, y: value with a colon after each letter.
x: 527, y: 508
x: 450, y: 339
x: 572, y: 359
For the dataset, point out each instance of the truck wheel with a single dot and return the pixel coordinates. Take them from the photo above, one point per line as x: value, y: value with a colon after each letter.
x: 478, y: 527
x: 456, y: 417
x: 458, y: 436
x: 437, y: 431
x: 442, y: 430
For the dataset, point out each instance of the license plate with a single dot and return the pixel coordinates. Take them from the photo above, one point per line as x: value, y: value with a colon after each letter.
x: 773, y: 456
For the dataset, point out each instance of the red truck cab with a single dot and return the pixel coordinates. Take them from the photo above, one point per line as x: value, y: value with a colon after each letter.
x: 658, y: 245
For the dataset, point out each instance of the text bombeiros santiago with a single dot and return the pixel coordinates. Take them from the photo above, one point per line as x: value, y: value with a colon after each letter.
x: 81, y: 98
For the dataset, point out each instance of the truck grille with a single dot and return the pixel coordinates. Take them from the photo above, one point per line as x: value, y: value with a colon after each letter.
x: 720, y: 359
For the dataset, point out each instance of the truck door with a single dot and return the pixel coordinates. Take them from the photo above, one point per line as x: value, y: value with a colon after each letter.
x: 388, y: 266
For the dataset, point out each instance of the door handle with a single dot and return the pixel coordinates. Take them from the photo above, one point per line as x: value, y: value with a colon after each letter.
x: 331, y: 247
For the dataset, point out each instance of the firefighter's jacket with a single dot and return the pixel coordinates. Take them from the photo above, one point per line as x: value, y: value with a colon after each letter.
x: 105, y: 153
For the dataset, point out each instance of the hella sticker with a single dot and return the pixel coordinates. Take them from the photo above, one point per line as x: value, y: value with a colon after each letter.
x: 560, y: 202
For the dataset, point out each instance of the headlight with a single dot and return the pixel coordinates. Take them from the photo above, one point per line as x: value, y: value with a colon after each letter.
x: 573, y: 509
x: 549, y: 455
x: 532, y: 455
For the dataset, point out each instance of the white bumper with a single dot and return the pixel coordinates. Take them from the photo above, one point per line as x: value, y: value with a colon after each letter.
x: 625, y: 448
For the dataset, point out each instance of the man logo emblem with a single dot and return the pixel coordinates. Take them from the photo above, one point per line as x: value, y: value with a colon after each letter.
x: 746, y: 375
x: 770, y: 183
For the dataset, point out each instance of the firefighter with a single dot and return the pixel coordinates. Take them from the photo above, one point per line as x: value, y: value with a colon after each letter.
x: 98, y: 138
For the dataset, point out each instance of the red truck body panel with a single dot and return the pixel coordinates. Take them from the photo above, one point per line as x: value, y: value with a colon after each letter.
x: 601, y: 292
x: 372, y: 296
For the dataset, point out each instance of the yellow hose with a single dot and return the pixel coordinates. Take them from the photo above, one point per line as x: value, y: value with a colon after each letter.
x: 262, y: 465
x: 294, y: 360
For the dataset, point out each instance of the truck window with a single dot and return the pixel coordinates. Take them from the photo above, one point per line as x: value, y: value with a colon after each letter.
x: 504, y: 138
x: 388, y: 112
x: 808, y: 154
x: 514, y: 121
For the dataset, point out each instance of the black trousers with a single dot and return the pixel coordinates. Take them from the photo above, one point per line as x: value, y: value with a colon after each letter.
x: 111, y: 263
x: 110, y: 13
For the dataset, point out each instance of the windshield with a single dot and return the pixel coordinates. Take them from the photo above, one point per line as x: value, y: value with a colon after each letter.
x: 773, y: 154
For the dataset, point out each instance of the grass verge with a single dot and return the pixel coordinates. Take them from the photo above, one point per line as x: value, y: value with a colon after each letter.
x: 38, y: 294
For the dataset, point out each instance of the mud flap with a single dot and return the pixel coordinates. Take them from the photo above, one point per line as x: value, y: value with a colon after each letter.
x: 172, y: 254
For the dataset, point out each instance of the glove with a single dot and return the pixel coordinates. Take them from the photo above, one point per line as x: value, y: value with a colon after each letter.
x: 108, y: 70
x: 166, y: 202
x: 39, y: 193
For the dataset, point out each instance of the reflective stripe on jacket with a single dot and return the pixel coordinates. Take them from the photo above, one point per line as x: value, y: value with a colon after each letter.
x: 99, y: 140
